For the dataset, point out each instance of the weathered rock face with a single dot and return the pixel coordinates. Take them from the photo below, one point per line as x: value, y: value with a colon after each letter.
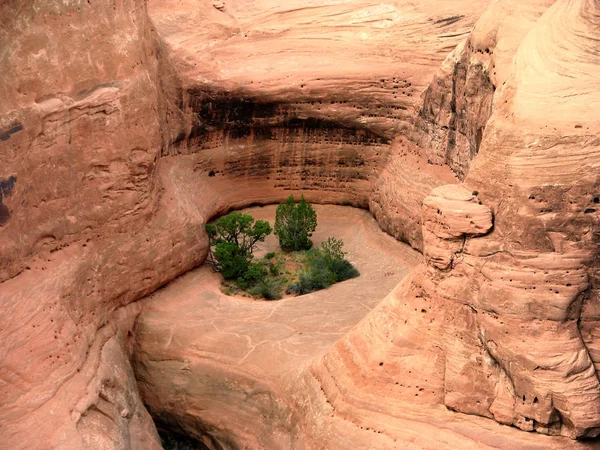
x: 452, y: 117
x: 507, y: 312
x: 125, y: 126
x: 79, y: 138
x: 81, y: 217
x: 452, y: 214
x: 263, y: 107
x: 458, y: 103
x: 545, y: 225
x: 79, y: 128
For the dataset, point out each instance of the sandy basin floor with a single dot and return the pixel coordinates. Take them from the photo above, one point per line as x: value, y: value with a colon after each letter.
x: 291, y: 331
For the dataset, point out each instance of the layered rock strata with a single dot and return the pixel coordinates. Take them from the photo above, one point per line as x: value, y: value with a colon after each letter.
x: 267, y: 107
x: 505, y: 329
x: 125, y: 126
x: 256, y: 376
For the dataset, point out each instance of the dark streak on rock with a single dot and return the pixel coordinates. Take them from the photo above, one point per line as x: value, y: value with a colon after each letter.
x: 14, y: 128
x: 6, y: 188
x: 4, y: 214
x: 242, y: 117
x: 448, y: 20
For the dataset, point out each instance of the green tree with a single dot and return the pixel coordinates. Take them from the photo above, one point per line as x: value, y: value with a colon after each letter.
x: 233, y: 237
x: 295, y: 224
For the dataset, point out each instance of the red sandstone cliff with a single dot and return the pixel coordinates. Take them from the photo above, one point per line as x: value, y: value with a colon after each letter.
x: 124, y: 126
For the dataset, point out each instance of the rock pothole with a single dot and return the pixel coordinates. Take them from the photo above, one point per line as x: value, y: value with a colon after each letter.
x: 222, y: 365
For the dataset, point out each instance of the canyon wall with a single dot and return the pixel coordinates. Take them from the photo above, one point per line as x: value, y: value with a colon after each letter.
x: 124, y: 126
x: 315, y: 96
x: 82, y: 216
x: 499, y: 321
x: 543, y: 191
x: 111, y: 161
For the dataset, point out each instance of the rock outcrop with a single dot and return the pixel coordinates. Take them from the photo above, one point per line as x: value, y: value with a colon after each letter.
x: 79, y: 140
x: 507, y: 307
x: 470, y: 134
x: 546, y: 223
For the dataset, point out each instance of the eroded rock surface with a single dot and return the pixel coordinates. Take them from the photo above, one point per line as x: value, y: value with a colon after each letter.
x: 310, y: 95
x: 257, y: 374
x: 223, y: 367
x: 124, y: 126
x: 506, y: 313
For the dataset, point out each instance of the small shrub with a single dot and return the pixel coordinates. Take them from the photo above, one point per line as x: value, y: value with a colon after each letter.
x: 229, y: 291
x: 332, y: 249
x: 268, y: 288
x: 270, y: 255
x: 309, y: 256
x: 292, y: 289
x: 271, y: 288
x: 255, y: 273
x: 324, y: 267
x: 315, y: 279
x: 274, y: 270
x: 242, y: 284
x: 343, y: 270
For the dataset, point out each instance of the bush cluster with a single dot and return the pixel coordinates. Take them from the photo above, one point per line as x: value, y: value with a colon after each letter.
x: 324, y: 267
x: 234, y: 236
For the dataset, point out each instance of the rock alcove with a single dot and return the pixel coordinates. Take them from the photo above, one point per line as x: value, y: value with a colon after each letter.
x: 467, y: 130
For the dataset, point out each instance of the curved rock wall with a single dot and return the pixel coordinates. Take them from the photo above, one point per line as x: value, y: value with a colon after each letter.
x: 545, y: 222
x: 79, y: 143
x: 262, y: 107
x: 500, y: 320
x: 123, y: 128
